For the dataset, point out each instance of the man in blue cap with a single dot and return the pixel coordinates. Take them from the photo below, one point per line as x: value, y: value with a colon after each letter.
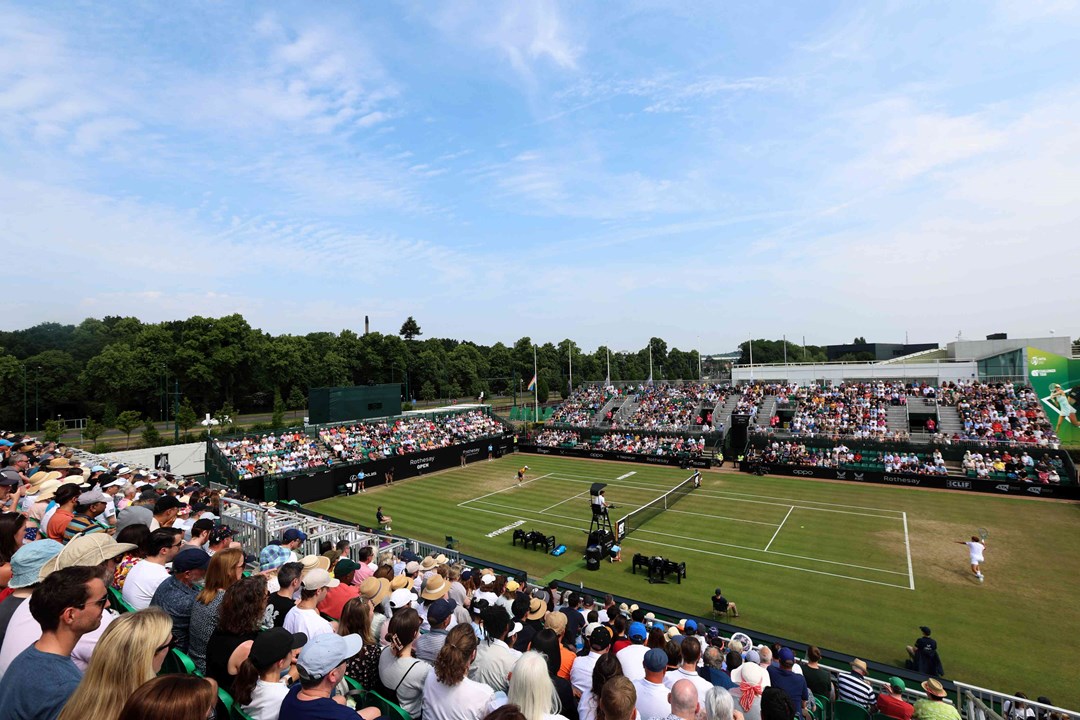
x: 177, y: 593
x: 322, y: 666
x: 652, y: 694
x: 26, y: 564
x: 789, y: 681
x: 632, y: 656
x: 292, y: 540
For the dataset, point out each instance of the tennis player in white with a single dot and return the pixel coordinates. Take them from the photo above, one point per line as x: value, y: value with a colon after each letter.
x: 976, y: 546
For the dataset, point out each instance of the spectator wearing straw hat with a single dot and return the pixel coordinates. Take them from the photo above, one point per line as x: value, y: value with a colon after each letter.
x: 534, y: 623
x: 853, y: 686
x: 891, y: 702
x: 933, y: 706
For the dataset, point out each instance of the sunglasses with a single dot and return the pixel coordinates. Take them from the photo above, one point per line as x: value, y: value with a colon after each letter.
x: 100, y: 603
x: 167, y: 646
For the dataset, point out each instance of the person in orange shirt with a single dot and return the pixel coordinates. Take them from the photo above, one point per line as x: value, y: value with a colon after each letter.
x: 337, y: 596
x: 67, y: 496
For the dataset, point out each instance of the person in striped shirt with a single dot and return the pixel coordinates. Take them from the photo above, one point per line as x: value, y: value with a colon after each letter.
x: 91, y: 504
x: 853, y: 686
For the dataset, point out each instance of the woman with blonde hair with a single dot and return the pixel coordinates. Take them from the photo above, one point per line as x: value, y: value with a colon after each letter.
x: 176, y: 697
x: 532, y: 690
x: 449, y: 694
x: 226, y: 567
x: 129, y: 653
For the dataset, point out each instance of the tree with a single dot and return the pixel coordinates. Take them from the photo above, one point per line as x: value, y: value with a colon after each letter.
x: 186, y: 417
x: 409, y: 329
x: 126, y: 422
x: 150, y: 435
x: 427, y: 391
x: 93, y: 431
x: 542, y: 389
x: 278, y: 420
x: 108, y: 415
x: 53, y: 430
x: 860, y: 341
x: 297, y: 400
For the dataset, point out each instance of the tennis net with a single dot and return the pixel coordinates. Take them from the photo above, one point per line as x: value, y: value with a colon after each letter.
x: 636, y: 518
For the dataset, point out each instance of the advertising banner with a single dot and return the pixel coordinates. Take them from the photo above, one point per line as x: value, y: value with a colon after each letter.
x: 931, y: 481
x: 1056, y: 379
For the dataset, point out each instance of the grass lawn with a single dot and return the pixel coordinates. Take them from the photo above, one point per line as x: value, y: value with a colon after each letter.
x: 855, y: 568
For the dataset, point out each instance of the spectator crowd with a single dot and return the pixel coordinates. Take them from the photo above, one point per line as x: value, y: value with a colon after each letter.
x: 623, y: 442
x: 273, y: 454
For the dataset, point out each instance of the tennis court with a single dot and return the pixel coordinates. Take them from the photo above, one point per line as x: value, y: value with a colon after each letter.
x: 793, y: 534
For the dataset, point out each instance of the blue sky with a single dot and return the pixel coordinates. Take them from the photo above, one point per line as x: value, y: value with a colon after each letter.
x: 605, y: 171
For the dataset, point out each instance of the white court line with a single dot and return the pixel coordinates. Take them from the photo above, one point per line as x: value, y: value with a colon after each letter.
x: 722, y: 517
x: 734, y: 497
x: 623, y: 477
x: 907, y: 544
x: 692, y: 539
x: 708, y: 552
x: 725, y: 493
x: 563, y: 501
x: 778, y: 528
x: 503, y: 490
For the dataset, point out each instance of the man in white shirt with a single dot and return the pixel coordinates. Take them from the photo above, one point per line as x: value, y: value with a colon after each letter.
x: 494, y: 660
x: 581, y: 674
x: 305, y: 617
x: 144, y: 577
x: 632, y: 656
x: 652, y: 694
x: 691, y: 653
x: 976, y: 547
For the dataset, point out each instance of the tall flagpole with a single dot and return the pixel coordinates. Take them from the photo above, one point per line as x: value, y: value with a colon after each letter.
x: 570, y: 352
x: 650, y: 362
x: 785, y: 349
x: 751, y: 337
x: 536, y: 387
x: 608, y: 365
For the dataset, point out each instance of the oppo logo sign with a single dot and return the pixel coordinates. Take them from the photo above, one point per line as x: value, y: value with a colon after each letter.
x: 806, y: 473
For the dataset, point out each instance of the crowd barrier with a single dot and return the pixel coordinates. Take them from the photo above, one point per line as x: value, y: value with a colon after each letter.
x: 1068, y: 492
x: 668, y: 460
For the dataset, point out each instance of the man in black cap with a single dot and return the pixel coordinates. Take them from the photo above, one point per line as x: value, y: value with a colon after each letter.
x: 599, y: 642
x: 166, y: 508
x: 176, y: 593
x: 924, y: 656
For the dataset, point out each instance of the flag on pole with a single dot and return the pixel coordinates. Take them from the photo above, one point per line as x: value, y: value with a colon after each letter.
x: 532, y: 384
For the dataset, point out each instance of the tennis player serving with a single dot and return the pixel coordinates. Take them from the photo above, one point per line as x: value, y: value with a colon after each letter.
x: 976, y: 547
x: 521, y: 474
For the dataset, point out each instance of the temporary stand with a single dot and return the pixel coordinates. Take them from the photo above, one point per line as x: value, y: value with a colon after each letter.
x: 601, y: 537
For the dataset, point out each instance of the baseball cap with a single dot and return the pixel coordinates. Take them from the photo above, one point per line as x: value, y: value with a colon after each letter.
x: 487, y: 579
x: 28, y: 560
x: 190, y: 559
x: 785, y: 655
x: 655, y: 660
x: 133, y: 515
x: 412, y: 567
x: 93, y: 496
x: 167, y: 502
x: 99, y: 468
x: 897, y: 684
x: 219, y: 533
x: 599, y: 638
x: 690, y: 626
x: 274, y: 644
x: 9, y: 481
x: 925, y: 629
x: 637, y: 630
x: 317, y: 579
x: 116, y: 482
x: 440, y: 610
x: 512, y: 585
x: 271, y: 557
x: 325, y: 652
x: 752, y: 656
x: 402, y: 597
x: 293, y: 534
x: 344, y: 567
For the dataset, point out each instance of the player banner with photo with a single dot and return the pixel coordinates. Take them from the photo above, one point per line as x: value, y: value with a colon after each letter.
x: 1056, y: 380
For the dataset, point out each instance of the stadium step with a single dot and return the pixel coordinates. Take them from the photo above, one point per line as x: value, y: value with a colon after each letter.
x: 722, y: 413
x: 897, y: 418
x: 626, y: 411
x: 766, y: 411
x: 949, y: 421
x: 598, y: 419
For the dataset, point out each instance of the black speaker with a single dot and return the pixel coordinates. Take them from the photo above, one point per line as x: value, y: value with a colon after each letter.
x: 737, y: 433
x: 593, y: 553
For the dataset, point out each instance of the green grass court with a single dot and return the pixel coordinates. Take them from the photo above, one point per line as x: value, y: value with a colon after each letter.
x: 855, y: 568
